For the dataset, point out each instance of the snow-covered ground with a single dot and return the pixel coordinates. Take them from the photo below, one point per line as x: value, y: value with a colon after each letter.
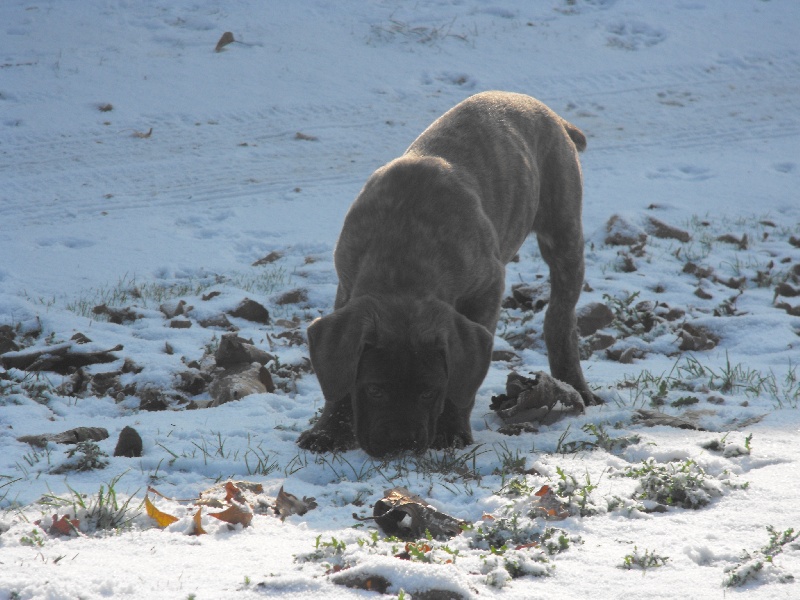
x: 135, y: 157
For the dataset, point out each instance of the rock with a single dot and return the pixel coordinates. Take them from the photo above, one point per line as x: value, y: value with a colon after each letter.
x: 593, y: 317
x: 251, y: 311
x: 729, y: 238
x: 661, y: 230
x: 117, y: 315
x: 191, y: 382
x: 292, y: 297
x: 234, y: 350
x: 173, y: 309
x: 527, y: 297
x: 601, y: 341
x: 620, y: 232
x: 268, y: 259
x: 79, y: 338
x: 504, y: 356
x: 694, y: 338
x: 237, y: 382
x: 624, y: 356
x: 220, y: 321
x: 128, y: 366
x: 7, y: 337
x: 697, y: 271
x: 787, y: 290
x: 103, y: 383
x: 74, y: 384
x: 153, y: 400
x: 689, y: 420
x: 129, y: 443
x: 180, y: 324
x: 702, y: 294
x: 363, y: 581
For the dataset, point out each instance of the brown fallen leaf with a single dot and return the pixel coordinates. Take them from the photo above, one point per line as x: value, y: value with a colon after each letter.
x: 62, y: 526
x: 548, y: 505
x: 287, y: 504
x: 305, y: 137
x: 143, y: 135
x: 162, y: 519
x: 235, y: 514
x: 227, y: 38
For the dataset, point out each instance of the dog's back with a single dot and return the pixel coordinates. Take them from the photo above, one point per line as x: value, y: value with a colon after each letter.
x: 515, y: 149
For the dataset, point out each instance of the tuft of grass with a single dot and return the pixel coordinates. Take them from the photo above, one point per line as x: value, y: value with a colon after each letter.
x: 643, y: 560
x: 16, y: 385
x: 397, y: 30
x: 602, y: 441
x: 103, y: 511
x: 34, y: 538
x: 751, y: 564
x: 85, y: 456
x: 578, y: 494
x: 683, y: 484
x: 689, y: 374
x: 151, y: 294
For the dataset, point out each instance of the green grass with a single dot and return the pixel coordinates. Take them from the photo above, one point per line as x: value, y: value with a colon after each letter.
x: 128, y: 290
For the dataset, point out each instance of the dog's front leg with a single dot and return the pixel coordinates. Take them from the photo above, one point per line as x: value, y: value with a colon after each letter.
x: 452, y: 428
x: 565, y: 260
x: 333, y: 430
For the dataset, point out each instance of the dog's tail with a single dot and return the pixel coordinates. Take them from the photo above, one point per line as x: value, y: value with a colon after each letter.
x: 575, y: 134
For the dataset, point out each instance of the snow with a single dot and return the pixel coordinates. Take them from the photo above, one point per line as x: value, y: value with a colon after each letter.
x: 692, y: 116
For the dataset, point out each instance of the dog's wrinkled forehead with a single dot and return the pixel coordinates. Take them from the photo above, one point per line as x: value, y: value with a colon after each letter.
x: 413, y: 323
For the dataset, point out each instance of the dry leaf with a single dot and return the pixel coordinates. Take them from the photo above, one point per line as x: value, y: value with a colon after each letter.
x: 162, y: 519
x: 219, y: 496
x: 549, y: 505
x: 235, y: 514
x: 227, y: 38
x: 198, y: 527
x: 305, y: 137
x: 62, y: 526
x: 143, y: 135
x: 287, y: 504
x: 407, y: 516
x: 233, y: 493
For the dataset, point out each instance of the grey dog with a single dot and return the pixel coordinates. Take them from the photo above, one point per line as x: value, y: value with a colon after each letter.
x: 421, y: 263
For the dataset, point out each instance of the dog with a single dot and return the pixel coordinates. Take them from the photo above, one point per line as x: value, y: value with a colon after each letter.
x: 421, y: 264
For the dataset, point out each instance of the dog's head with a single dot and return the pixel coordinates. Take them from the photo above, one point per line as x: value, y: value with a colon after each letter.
x: 398, y: 361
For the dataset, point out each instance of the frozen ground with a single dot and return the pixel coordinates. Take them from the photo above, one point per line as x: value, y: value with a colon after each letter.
x: 195, y: 170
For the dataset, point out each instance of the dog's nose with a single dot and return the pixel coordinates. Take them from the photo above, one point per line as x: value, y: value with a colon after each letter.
x: 400, y: 438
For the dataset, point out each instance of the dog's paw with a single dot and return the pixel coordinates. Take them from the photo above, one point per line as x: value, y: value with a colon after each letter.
x: 451, y: 439
x: 592, y: 399
x: 323, y: 441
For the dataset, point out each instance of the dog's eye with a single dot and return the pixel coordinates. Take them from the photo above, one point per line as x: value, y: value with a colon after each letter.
x: 374, y: 391
x: 428, y: 395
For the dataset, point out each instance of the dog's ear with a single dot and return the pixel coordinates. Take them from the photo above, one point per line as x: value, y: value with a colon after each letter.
x: 468, y: 352
x: 335, y: 344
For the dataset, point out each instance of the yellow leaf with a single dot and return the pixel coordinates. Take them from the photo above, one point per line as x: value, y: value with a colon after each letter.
x: 162, y: 519
x: 198, y: 528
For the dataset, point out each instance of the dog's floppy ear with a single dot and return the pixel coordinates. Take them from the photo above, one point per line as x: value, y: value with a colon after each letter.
x: 335, y: 343
x: 468, y: 352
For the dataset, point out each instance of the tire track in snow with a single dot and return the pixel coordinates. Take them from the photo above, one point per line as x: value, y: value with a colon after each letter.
x: 254, y: 156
